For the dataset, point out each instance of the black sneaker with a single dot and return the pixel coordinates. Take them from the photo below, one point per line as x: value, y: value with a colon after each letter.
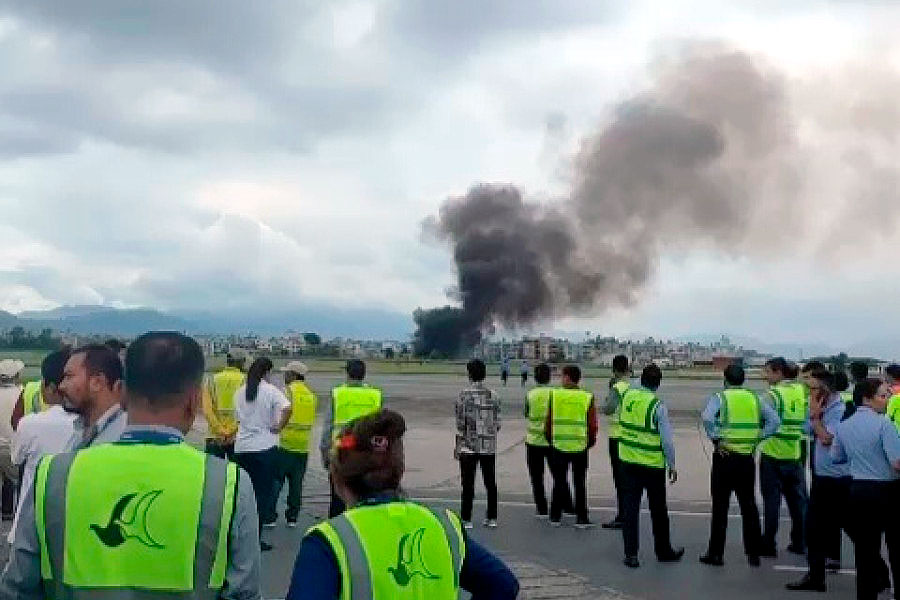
x: 807, y: 584
x: 265, y: 547
x: 673, y: 555
x: 796, y: 550
x: 614, y: 524
x: 586, y: 524
x: 714, y: 561
x: 769, y: 552
x: 753, y: 561
x: 832, y: 565
x: 631, y: 562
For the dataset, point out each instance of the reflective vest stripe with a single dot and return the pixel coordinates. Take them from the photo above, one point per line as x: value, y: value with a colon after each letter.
x: 455, y: 540
x: 615, y: 430
x: 357, y: 564
x: 570, y: 409
x: 640, y: 442
x: 210, y: 556
x: 741, y: 431
x: 537, y: 402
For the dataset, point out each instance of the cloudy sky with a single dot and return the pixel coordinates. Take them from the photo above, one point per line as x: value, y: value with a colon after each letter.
x: 195, y: 156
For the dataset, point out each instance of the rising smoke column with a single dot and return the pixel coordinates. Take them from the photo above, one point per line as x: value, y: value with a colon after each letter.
x: 690, y: 163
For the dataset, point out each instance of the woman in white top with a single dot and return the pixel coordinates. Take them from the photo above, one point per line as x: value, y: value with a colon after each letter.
x: 262, y: 412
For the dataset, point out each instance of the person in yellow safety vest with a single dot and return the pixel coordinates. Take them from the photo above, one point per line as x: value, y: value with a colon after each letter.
x: 571, y: 428
x: 30, y: 402
x: 384, y: 546
x: 349, y: 401
x: 780, y: 471
x: 736, y: 421
x: 618, y: 386
x: 293, y: 447
x: 537, y: 448
x: 147, y: 517
x: 218, y: 405
x: 647, y: 449
x: 892, y: 376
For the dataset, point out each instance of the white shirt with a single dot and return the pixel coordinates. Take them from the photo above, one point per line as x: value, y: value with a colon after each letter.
x: 256, y: 419
x: 9, y: 395
x: 38, y: 435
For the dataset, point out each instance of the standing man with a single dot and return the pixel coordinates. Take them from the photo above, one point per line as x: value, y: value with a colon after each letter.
x: 92, y: 387
x: 618, y: 386
x: 780, y: 471
x: 571, y: 428
x: 537, y: 448
x: 349, y: 401
x: 829, y: 496
x: 871, y: 446
x: 646, y: 448
x: 523, y: 368
x: 219, y: 408
x: 10, y: 391
x: 293, y: 447
x: 43, y: 433
x: 147, y: 517
x: 504, y: 370
x: 477, y: 425
x: 736, y: 421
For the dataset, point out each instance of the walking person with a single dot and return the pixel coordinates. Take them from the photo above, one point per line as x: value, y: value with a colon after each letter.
x: 781, y: 472
x: 870, y: 444
x: 647, y: 450
x: 736, y: 421
x: 385, y: 546
x: 571, y: 428
x: 262, y: 413
x: 293, y: 445
x: 350, y: 400
x: 504, y: 371
x: 523, y: 370
x: 537, y: 448
x: 477, y: 426
x: 618, y: 386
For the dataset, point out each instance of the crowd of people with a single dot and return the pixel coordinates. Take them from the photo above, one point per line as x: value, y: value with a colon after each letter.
x: 113, y: 498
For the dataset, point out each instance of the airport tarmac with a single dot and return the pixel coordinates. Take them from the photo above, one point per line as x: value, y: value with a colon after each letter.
x: 563, y: 562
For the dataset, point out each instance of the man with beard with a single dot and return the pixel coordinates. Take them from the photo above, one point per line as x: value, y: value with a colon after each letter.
x: 92, y: 387
x: 43, y: 433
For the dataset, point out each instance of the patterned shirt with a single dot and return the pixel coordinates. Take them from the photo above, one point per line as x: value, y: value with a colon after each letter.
x: 477, y: 420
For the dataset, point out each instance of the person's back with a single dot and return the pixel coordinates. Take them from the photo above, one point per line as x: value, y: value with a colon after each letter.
x: 257, y: 419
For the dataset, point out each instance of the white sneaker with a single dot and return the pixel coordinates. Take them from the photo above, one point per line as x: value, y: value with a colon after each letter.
x: 490, y: 523
x: 270, y: 525
x: 542, y: 516
x: 292, y: 524
x: 555, y: 523
x: 467, y: 524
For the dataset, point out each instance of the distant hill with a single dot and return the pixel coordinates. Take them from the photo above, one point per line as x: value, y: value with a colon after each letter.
x: 101, y: 320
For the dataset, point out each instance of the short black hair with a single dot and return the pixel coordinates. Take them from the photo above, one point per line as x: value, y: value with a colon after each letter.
x: 542, y: 373
x: 734, y: 374
x: 813, y: 365
x: 572, y: 372
x: 115, y: 344
x: 778, y: 364
x: 476, y: 369
x: 620, y: 363
x: 160, y: 365
x: 841, y: 382
x: 356, y: 369
x: 651, y: 376
x: 824, y: 377
x: 865, y: 389
x: 792, y: 371
x: 100, y: 359
x: 54, y: 365
x: 893, y: 370
x: 859, y: 370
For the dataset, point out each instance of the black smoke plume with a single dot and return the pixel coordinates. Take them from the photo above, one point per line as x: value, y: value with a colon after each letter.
x: 706, y: 158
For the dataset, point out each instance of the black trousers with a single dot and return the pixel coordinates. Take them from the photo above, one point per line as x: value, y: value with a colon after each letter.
x: 261, y: 467
x: 733, y: 472
x: 8, y: 497
x: 636, y: 479
x: 536, y: 457
x: 559, y: 468
x: 336, y: 506
x: 786, y: 478
x: 874, y: 515
x: 616, y: 465
x: 829, y: 512
x: 217, y: 448
x: 291, y: 467
x: 468, y: 463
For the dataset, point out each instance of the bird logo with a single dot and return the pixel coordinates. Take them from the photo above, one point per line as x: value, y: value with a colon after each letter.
x: 409, y: 559
x: 121, y: 528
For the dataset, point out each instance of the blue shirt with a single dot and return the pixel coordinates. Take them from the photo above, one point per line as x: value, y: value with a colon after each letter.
x: 710, y: 417
x: 316, y: 574
x: 824, y: 464
x: 870, y: 443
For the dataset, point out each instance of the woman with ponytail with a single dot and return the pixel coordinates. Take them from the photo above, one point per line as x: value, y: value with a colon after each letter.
x: 385, y: 546
x: 262, y: 412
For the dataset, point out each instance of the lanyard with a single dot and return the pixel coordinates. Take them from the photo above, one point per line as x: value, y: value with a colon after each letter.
x: 149, y: 436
